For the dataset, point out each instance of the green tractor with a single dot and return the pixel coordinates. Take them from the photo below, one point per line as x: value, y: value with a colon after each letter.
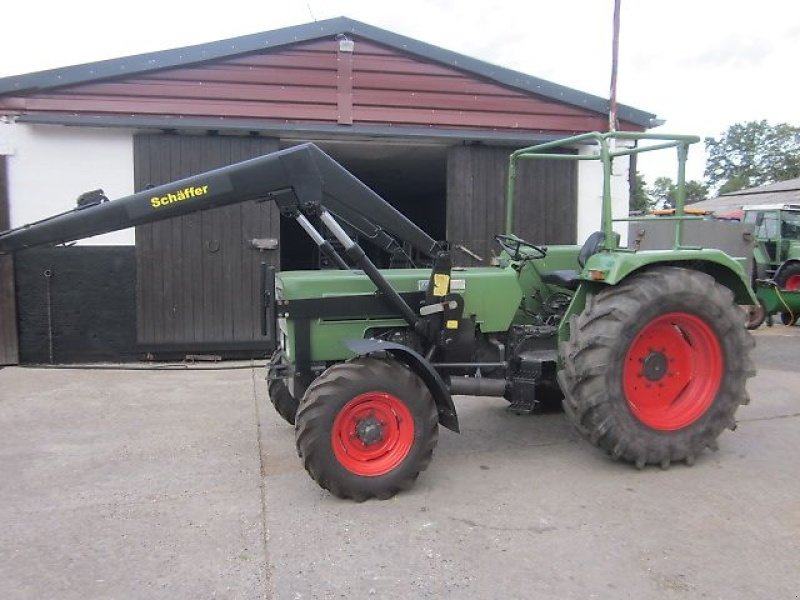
x: 647, y: 347
x: 776, y: 270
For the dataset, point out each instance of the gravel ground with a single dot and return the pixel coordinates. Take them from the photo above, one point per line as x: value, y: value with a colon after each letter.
x: 185, y: 484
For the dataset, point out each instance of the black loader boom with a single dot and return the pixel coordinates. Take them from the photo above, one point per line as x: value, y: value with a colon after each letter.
x: 302, y: 180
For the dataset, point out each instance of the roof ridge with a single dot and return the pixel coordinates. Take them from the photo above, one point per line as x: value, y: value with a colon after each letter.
x: 768, y: 188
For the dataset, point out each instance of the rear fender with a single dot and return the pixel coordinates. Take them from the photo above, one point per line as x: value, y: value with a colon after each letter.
x: 614, y: 268
x: 417, y: 363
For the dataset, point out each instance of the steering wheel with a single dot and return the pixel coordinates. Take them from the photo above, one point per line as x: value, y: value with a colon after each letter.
x: 513, y: 245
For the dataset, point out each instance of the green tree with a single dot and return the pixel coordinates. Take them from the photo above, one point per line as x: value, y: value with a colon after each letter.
x: 696, y: 191
x: 640, y: 200
x: 665, y: 191
x: 751, y: 154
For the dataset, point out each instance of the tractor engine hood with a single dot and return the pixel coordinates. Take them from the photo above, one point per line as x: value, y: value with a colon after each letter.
x: 491, y: 294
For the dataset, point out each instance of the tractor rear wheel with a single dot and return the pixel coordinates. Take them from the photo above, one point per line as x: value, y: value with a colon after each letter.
x: 366, y: 428
x: 285, y: 404
x: 655, y: 368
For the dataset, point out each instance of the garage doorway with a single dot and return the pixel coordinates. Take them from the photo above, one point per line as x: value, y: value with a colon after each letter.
x: 411, y: 177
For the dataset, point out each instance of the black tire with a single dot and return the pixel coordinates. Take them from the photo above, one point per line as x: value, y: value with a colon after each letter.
x: 679, y: 304
x: 285, y: 404
x: 320, y: 435
x: 791, y: 271
x: 755, y: 315
x: 788, y: 280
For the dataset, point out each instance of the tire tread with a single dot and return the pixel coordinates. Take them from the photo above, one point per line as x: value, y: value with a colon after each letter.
x: 313, y: 421
x: 593, y: 347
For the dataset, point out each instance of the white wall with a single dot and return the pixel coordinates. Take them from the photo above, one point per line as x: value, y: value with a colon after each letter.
x: 590, y: 194
x: 49, y: 166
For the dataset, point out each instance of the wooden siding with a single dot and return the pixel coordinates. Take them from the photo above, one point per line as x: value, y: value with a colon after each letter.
x: 545, y: 203
x: 198, y: 279
x: 9, y: 353
x: 314, y: 82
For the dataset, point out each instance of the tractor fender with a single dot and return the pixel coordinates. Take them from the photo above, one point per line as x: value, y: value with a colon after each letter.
x: 419, y: 365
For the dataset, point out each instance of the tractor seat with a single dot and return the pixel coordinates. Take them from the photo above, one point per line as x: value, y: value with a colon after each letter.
x: 568, y: 278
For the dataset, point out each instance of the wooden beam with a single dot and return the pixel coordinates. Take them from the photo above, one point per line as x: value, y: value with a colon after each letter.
x: 344, y: 82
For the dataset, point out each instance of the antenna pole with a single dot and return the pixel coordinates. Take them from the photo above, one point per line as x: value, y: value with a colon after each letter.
x: 612, y: 111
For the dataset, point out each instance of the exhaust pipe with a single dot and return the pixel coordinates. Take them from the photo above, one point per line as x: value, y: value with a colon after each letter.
x: 477, y: 386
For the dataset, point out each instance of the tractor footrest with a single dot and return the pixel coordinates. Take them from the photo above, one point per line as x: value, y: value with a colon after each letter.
x: 523, y: 387
x: 522, y: 406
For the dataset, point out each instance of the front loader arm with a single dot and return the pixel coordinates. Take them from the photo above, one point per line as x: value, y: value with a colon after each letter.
x: 310, y: 177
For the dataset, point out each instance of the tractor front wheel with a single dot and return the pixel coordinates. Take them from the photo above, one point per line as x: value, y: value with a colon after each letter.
x: 655, y: 368
x: 366, y: 428
x: 285, y: 404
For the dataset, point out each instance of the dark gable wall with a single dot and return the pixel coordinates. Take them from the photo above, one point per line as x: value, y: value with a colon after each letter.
x: 314, y: 82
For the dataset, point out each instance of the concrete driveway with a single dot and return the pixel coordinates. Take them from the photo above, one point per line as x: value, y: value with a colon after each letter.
x: 185, y: 484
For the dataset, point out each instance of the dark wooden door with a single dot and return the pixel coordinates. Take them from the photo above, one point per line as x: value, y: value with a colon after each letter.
x: 198, y: 276
x: 9, y: 353
x: 545, y: 204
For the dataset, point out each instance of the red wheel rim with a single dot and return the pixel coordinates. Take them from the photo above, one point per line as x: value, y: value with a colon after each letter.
x: 793, y: 282
x: 372, y: 434
x: 672, y: 371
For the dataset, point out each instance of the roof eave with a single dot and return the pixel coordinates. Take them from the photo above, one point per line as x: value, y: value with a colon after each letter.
x: 166, y: 59
x: 292, y: 130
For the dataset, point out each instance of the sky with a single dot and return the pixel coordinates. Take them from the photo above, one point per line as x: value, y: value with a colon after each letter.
x: 701, y: 65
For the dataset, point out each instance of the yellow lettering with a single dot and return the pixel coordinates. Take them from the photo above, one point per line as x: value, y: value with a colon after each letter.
x: 178, y: 196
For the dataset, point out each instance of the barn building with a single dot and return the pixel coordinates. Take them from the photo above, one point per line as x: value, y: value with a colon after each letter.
x: 430, y: 130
